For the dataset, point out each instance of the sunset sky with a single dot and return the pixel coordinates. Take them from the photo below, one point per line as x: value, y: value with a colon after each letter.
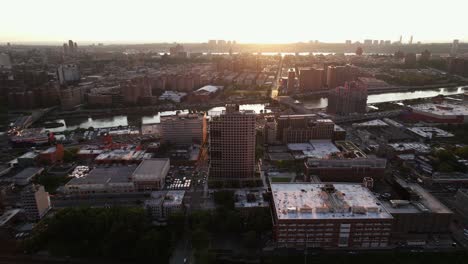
x: 246, y: 21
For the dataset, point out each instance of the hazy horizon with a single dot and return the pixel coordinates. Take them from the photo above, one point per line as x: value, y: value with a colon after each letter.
x: 54, y: 22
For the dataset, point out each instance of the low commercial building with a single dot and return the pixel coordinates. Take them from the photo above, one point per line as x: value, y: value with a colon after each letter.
x: 313, y: 149
x: 116, y: 179
x: 417, y: 213
x: 394, y: 149
x: 329, y: 216
x: 151, y: 174
x: 430, y: 132
x: 122, y: 156
x: 439, y: 113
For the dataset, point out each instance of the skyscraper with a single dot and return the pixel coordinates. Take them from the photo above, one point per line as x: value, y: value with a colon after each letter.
x: 454, y: 49
x: 351, y: 98
x: 291, y: 80
x: 232, y: 146
x: 71, y: 46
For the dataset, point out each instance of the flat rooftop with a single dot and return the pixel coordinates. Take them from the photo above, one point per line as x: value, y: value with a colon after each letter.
x: 151, y: 169
x: 103, y: 175
x: 416, y: 146
x: 426, y: 203
x: 326, y: 201
x: 28, y: 173
x: 442, y: 109
x: 29, y: 155
x: 430, y: 132
x: 313, y: 149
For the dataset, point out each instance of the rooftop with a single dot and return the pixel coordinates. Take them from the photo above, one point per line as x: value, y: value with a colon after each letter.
x: 29, y: 155
x: 442, y: 109
x: 208, y: 89
x: 372, y: 123
x: 426, y: 203
x: 416, y: 146
x: 103, y: 175
x: 313, y: 149
x: 326, y: 201
x: 7, y: 216
x: 28, y: 173
x: 151, y: 169
x: 430, y: 132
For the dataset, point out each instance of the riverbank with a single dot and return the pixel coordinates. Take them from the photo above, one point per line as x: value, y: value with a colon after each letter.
x: 382, y: 90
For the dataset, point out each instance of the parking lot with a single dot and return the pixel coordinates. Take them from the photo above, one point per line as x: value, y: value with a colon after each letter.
x: 184, y: 178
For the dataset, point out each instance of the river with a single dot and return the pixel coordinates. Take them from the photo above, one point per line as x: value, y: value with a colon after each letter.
x: 123, y: 120
x: 391, y: 97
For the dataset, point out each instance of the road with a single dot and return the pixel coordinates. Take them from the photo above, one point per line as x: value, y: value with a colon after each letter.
x: 275, y: 88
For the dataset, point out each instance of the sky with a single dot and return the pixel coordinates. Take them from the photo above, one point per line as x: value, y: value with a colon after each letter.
x: 246, y: 21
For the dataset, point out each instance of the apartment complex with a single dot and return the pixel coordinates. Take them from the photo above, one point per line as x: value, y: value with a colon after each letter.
x: 310, y: 79
x: 232, y: 145
x: 347, y: 99
x: 302, y: 128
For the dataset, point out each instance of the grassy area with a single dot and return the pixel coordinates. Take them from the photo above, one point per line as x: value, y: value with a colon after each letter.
x: 280, y: 179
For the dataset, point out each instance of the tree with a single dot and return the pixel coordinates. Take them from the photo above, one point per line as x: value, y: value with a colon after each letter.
x: 224, y: 198
x: 200, y: 239
x: 249, y: 239
x: 359, y: 51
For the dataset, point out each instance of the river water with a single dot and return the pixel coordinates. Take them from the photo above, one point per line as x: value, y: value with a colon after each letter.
x: 392, y: 97
x: 123, y: 120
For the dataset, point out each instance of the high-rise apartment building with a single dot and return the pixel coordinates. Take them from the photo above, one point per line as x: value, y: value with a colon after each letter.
x: 184, y: 129
x: 347, y: 99
x: 291, y: 80
x: 232, y: 146
x: 310, y: 79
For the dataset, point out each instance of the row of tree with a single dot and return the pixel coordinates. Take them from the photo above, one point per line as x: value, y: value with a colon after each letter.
x: 124, y: 234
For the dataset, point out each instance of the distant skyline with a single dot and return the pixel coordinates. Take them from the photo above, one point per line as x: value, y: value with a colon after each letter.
x: 246, y: 21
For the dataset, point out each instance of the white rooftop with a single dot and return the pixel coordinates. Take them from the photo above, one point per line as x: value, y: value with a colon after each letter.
x: 337, y: 201
x: 209, y: 89
x: 314, y: 149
